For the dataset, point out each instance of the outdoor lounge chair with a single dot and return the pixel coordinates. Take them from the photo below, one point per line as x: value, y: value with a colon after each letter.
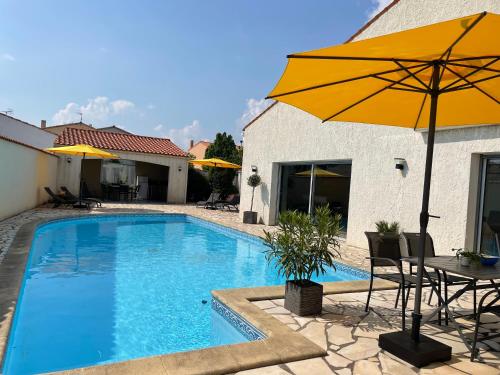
x: 210, y: 202
x: 62, y: 201
x: 232, y: 201
x: 389, y: 255
x: 71, y: 196
x: 409, y: 246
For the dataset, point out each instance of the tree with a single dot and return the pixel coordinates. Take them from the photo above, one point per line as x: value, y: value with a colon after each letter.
x: 223, y: 148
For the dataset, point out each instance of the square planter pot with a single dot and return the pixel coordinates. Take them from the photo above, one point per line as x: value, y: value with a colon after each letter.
x: 303, y: 297
x: 249, y: 217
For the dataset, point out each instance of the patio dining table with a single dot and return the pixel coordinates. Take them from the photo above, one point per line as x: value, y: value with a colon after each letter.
x: 474, y: 272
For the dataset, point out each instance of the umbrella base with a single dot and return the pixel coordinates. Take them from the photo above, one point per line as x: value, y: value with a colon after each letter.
x: 418, y: 354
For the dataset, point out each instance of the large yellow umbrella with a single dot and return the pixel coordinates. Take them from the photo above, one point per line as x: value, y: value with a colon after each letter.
x: 82, y: 150
x: 440, y: 75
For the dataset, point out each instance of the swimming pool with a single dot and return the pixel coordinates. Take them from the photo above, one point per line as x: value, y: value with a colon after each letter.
x: 103, y: 289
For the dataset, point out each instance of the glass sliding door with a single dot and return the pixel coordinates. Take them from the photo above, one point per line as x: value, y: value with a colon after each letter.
x: 332, y: 183
x: 295, y: 187
x: 304, y: 187
x: 489, y: 207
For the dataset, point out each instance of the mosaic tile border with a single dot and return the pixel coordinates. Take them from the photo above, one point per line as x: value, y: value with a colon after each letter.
x: 244, y: 327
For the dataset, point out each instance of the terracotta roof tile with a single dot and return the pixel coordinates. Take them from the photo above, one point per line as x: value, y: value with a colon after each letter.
x: 119, y: 142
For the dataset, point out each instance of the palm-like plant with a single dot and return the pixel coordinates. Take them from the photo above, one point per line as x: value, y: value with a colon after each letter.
x: 304, y: 245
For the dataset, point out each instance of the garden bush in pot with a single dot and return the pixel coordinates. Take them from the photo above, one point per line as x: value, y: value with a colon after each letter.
x: 250, y: 217
x: 304, y: 246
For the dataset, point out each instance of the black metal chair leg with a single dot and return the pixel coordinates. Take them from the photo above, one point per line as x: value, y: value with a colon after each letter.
x: 397, y: 297
x: 430, y: 297
x: 369, y: 292
x: 403, y: 305
x: 446, y: 317
x: 407, y: 296
x: 475, y: 299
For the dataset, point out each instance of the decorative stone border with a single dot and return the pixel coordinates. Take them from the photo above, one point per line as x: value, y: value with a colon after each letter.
x: 280, y: 345
x: 245, y: 328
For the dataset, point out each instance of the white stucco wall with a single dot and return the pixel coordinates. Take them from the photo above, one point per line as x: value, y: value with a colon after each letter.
x: 21, y: 131
x: 25, y: 172
x: 378, y: 190
x: 69, y: 173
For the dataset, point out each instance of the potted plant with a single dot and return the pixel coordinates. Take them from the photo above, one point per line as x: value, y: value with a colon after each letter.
x: 387, y: 237
x: 300, y: 248
x: 250, y: 217
x: 466, y: 257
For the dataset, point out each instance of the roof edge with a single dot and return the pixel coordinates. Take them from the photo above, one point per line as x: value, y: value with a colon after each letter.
x: 25, y: 145
x: 350, y: 39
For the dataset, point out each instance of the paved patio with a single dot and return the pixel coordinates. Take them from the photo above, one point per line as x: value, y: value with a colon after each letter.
x: 349, y: 335
x: 344, y: 329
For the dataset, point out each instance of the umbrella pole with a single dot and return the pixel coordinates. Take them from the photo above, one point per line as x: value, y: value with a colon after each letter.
x: 80, y: 204
x: 414, y: 348
x: 424, y: 214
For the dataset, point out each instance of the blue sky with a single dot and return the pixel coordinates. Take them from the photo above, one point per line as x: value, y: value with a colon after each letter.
x: 180, y: 69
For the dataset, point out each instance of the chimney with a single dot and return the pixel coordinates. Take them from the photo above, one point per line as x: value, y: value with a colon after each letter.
x: 191, y: 143
x: 43, y: 124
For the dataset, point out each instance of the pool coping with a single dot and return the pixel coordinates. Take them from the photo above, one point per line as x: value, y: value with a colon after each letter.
x: 281, y: 344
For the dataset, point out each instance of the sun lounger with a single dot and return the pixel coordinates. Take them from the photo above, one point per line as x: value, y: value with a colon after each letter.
x: 232, y: 201
x: 62, y: 201
x: 71, y: 196
x: 210, y: 202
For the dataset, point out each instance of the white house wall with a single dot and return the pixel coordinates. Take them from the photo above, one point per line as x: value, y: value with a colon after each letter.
x: 25, y: 133
x: 379, y: 191
x: 69, y: 173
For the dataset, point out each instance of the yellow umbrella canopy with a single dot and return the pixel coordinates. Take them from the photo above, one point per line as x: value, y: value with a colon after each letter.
x: 82, y: 150
x: 214, y: 162
x: 434, y: 76
x: 386, y: 80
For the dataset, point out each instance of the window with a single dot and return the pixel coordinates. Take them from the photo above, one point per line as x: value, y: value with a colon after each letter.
x: 489, y: 207
x: 118, y: 172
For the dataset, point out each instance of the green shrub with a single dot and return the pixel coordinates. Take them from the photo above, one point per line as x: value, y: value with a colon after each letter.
x: 303, y: 245
x: 384, y: 227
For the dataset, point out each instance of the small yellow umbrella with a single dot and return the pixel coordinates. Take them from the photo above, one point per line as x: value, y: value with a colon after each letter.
x: 216, y: 163
x: 82, y: 150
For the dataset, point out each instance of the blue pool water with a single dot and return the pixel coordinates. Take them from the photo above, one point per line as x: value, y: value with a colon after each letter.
x: 106, y: 289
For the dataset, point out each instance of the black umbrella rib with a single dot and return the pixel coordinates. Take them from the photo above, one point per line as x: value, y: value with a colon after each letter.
x: 358, y: 58
x: 371, y: 75
x: 475, y: 70
x: 473, y: 58
x: 473, y: 85
x: 420, y: 111
x: 468, y: 85
x: 413, y: 75
x: 464, y: 33
x: 484, y: 67
x: 373, y: 94
x: 407, y: 87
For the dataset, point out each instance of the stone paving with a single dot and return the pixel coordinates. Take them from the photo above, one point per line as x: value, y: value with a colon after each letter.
x: 349, y: 334
x: 344, y: 329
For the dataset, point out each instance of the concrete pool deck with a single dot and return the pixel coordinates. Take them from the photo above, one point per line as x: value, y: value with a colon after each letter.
x: 341, y: 340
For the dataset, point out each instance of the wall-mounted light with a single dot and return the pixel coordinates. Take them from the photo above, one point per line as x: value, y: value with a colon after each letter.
x: 180, y: 169
x: 400, y: 163
x: 254, y: 168
x: 68, y: 160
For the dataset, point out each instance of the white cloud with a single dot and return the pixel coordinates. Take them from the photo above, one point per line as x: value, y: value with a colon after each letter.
x: 158, y: 127
x: 151, y: 106
x: 8, y: 57
x: 254, y: 108
x: 98, y: 109
x: 121, y: 105
x: 182, y: 136
x: 377, y: 6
